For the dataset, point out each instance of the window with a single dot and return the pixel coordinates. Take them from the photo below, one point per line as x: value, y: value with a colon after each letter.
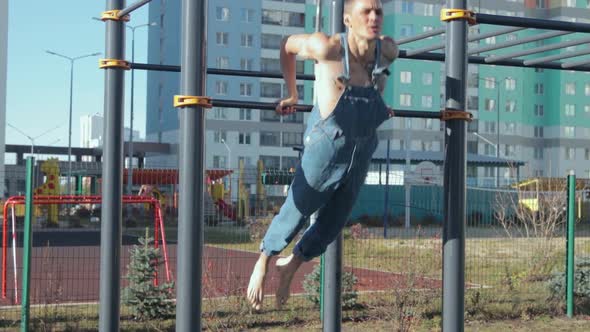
x: 222, y: 62
x: 511, y: 36
x: 569, y: 131
x: 222, y: 38
x: 427, y: 78
x: 219, y: 162
x: 509, y: 127
x: 296, y: 117
x: 405, y: 99
x: 428, y: 9
x: 407, y: 7
x: 406, y: 30
x: 283, y: 18
x: 490, y: 104
x: 587, y: 89
x: 586, y: 108
x: 510, y: 106
x: 269, y: 116
x: 570, y: 110
x: 247, y: 40
x: 219, y: 135
x: 271, y: 41
x: 539, y: 110
x: 539, y: 88
x: 489, y: 150
x: 222, y: 13
x: 292, y: 139
x: 289, y: 162
x: 510, y: 84
x: 490, y: 40
x: 490, y: 127
x: 489, y: 82
x: 539, y: 70
x: 271, y: 161
x: 245, y: 64
x: 570, y: 3
x: 570, y: 89
x: 221, y: 87
x: 244, y: 138
x: 270, y: 90
x: 247, y: 15
x: 587, y: 154
x: 246, y: 160
x: 245, y: 114
x: 539, y: 173
x: 428, y: 124
x: 570, y: 153
x: 270, y: 138
x: 246, y: 89
x: 538, y: 131
x: 405, y: 77
x: 427, y: 101
x: 270, y: 65
x: 220, y: 113
x: 538, y: 152
x: 427, y: 28
x: 509, y: 150
x: 540, y: 3
x: 472, y: 147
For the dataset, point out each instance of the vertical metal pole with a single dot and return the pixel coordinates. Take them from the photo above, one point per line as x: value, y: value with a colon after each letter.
x: 191, y: 181
x: 333, y: 256
x: 498, y: 133
x: 130, y: 152
x: 69, y: 191
x: 386, y: 207
x: 571, y: 196
x: 454, y: 175
x: 24, y: 323
x: 112, y: 175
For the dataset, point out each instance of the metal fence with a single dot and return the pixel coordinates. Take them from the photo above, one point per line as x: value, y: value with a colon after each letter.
x: 401, y: 252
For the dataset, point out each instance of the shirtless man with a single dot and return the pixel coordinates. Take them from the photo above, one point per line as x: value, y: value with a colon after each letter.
x: 339, y: 141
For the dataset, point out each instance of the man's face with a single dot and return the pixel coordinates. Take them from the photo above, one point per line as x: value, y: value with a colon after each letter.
x: 365, y: 18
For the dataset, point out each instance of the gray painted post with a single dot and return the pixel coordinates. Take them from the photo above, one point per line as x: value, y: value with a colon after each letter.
x: 333, y: 256
x: 112, y: 170
x: 454, y: 175
x: 191, y: 181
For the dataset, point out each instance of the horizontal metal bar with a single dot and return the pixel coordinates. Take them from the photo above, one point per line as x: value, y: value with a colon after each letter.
x: 479, y: 60
x: 421, y: 36
x: 469, y: 39
x: 551, y: 47
x: 308, y: 108
x: 573, y: 64
x: 132, y: 7
x: 526, y: 22
x: 564, y: 55
x: 521, y: 41
x: 215, y: 71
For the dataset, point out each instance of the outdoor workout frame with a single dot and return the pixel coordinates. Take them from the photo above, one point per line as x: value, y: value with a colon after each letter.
x: 192, y: 130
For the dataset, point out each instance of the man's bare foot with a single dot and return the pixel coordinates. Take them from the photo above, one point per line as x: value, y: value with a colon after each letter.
x: 286, y: 267
x: 255, y: 292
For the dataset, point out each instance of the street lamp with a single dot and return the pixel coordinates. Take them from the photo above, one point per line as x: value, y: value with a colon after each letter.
x: 31, y: 138
x: 130, y: 152
x: 497, y: 155
x: 72, y: 60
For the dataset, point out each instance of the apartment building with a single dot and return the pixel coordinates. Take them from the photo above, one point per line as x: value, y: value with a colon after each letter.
x: 541, y: 117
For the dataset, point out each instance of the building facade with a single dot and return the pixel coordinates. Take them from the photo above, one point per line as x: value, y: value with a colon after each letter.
x: 540, y: 117
x: 91, y: 132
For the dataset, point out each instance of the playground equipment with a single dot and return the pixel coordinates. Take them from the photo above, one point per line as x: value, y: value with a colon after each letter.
x: 50, y: 187
x: 53, y: 200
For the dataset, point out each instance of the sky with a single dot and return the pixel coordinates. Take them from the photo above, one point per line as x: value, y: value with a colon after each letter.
x: 38, y: 84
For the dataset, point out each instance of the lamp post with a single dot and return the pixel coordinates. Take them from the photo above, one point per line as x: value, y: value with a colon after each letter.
x: 130, y: 150
x: 72, y: 60
x: 497, y: 154
x: 31, y: 138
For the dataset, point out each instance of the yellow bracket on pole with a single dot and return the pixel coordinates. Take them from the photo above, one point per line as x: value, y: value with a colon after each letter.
x: 456, y: 115
x: 458, y: 14
x: 183, y: 101
x: 113, y: 15
x: 113, y: 63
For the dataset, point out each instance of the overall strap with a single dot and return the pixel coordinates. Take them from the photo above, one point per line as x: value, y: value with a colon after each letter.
x: 377, y: 69
x: 345, y: 77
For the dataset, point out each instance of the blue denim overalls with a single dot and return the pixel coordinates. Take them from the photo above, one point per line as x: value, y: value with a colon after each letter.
x: 337, y: 154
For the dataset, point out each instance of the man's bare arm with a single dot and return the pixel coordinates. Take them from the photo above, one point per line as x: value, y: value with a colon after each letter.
x: 315, y: 46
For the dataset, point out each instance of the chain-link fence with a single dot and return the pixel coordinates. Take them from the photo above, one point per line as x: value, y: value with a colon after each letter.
x: 515, y: 243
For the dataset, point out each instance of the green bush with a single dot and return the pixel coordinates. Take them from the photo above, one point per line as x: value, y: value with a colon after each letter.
x: 581, y: 285
x: 147, y: 301
x: 311, y: 284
